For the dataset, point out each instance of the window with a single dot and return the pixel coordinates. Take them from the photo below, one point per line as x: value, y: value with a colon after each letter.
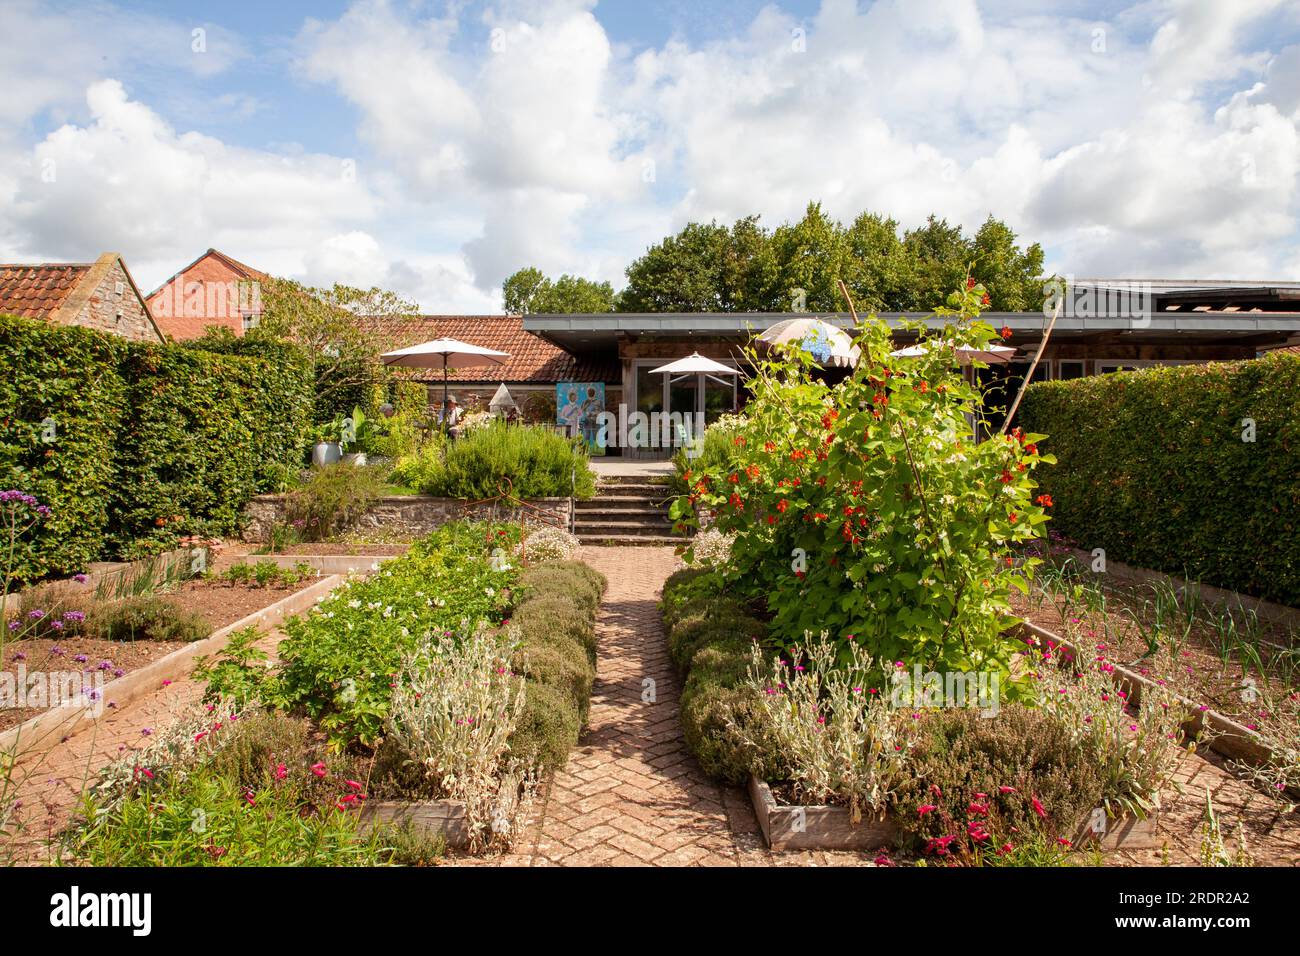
x: 1068, y: 369
x: 250, y: 321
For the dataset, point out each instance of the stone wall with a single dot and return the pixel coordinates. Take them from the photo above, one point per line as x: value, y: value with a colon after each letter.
x: 415, y: 515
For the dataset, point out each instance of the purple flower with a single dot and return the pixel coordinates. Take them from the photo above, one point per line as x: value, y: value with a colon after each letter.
x: 146, y: 731
x: 13, y: 625
x: 81, y: 578
x: 57, y: 651
x: 57, y: 625
x: 105, y: 666
x: 118, y: 672
x: 76, y: 617
x: 81, y: 658
x: 20, y: 656
x: 36, y: 615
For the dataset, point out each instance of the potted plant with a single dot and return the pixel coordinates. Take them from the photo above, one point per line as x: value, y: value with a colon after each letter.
x: 327, y: 445
x: 357, y: 432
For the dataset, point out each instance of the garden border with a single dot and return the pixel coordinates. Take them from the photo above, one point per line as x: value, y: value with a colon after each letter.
x: 1229, y: 738
x: 445, y: 818
x: 41, y: 733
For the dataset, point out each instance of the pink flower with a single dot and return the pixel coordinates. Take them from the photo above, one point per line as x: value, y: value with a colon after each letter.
x: 318, y: 768
x: 353, y: 784
x: 1038, y: 808
x: 281, y: 771
x: 1007, y: 790
x: 925, y: 808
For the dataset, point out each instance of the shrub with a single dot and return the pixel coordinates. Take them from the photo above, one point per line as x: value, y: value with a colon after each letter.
x: 865, y: 509
x: 560, y: 578
x: 239, y: 673
x: 62, y: 609
x: 1016, y: 777
x: 1132, y: 745
x: 724, y: 722
x: 558, y: 663
x: 532, y: 462
x: 332, y: 500
x: 338, y: 660
x: 1154, y: 469
x: 549, y: 543
x: 547, y: 729
x: 842, y: 742
x: 149, y: 618
x: 455, y: 706
x: 551, y: 617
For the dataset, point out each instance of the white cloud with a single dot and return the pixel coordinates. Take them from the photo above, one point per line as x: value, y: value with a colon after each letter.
x: 1161, y: 139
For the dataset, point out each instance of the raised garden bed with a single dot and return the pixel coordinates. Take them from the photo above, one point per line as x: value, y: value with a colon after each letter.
x: 444, y: 818
x: 46, y: 729
x: 794, y: 827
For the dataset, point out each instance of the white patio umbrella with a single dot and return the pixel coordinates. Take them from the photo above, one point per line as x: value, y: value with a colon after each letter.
x: 828, y: 344
x: 699, y: 365
x: 992, y: 355
x: 444, y: 354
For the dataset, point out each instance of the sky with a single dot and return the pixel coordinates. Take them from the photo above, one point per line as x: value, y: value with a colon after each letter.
x: 433, y: 148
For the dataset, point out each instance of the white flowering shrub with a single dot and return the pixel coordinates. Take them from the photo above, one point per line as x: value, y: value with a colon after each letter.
x: 454, y: 708
x: 843, y: 741
x: 549, y: 543
x: 712, y: 548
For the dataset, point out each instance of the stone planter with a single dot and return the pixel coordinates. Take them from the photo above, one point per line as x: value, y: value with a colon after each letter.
x: 357, y: 458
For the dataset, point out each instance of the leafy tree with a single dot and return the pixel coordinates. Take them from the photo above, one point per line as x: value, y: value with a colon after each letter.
x: 529, y: 290
x: 811, y: 256
x: 684, y: 273
x: 1012, y: 277
x: 343, y: 330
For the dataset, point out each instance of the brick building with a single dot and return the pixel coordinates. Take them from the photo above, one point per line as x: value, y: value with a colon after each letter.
x: 99, y: 295
x: 213, y: 290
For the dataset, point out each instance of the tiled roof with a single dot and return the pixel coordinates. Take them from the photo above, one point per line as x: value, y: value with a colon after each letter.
x: 37, y: 291
x: 185, y: 327
x: 533, y: 360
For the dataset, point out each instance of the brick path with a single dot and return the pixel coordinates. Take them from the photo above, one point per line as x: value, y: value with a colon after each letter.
x: 631, y: 794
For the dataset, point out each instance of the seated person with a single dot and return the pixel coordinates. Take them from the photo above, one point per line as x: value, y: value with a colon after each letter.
x: 450, y: 415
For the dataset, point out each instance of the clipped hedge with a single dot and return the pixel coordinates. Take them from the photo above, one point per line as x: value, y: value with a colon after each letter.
x: 1152, y: 467
x: 132, y: 445
x: 556, y: 624
x: 711, y: 640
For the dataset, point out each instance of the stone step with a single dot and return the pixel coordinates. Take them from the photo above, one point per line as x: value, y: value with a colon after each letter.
x: 634, y: 479
x: 635, y: 509
x: 637, y: 528
x: 634, y: 491
x: 641, y: 541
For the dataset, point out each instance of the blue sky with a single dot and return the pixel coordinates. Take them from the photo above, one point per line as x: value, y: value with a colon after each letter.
x: 434, y: 147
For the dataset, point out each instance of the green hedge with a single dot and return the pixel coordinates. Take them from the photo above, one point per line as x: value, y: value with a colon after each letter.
x: 141, y: 436
x: 556, y: 623
x: 1153, y: 468
x: 711, y: 639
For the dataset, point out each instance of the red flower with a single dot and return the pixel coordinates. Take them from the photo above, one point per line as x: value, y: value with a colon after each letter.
x: 1005, y: 332
x: 970, y: 283
x: 1038, y: 808
x: 1044, y: 500
x: 782, y: 505
x: 319, y: 769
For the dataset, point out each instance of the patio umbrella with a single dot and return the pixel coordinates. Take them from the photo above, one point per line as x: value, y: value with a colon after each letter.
x: 698, y: 365
x: 992, y: 355
x: 444, y: 354
x: 828, y: 344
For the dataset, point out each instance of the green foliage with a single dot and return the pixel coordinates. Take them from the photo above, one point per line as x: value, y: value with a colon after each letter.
x: 712, y: 641
x: 746, y: 268
x: 556, y: 627
x: 133, y: 445
x: 1154, y: 469
x: 332, y: 500
x: 239, y: 673
x: 532, y: 461
x: 528, y: 290
x: 964, y: 759
x: 338, y: 661
x: 149, y: 618
x: 866, y: 510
